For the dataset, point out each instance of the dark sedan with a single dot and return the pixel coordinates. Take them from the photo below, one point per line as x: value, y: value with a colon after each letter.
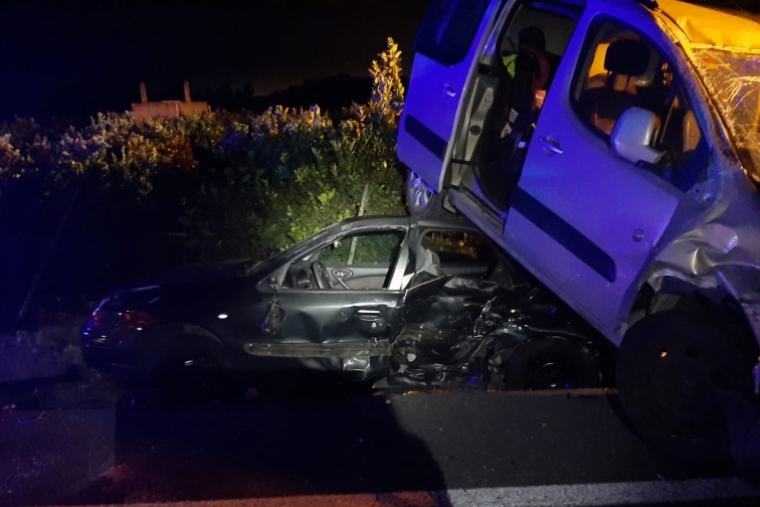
x: 329, y: 303
x: 420, y: 302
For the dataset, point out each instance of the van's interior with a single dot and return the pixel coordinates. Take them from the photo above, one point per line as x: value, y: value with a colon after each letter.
x: 507, y: 96
x: 620, y: 70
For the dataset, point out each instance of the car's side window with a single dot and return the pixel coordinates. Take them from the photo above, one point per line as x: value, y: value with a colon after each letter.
x: 362, y: 261
x: 626, y: 89
x: 457, y: 253
x: 364, y: 250
x: 449, y: 28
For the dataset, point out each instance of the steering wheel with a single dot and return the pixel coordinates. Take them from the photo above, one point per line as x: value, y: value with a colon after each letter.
x: 321, y: 274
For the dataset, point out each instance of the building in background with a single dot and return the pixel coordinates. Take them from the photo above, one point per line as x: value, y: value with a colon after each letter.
x: 167, y: 108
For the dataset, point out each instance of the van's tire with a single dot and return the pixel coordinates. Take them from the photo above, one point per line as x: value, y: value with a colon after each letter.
x: 670, y: 367
x: 421, y: 201
x: 552, y: 363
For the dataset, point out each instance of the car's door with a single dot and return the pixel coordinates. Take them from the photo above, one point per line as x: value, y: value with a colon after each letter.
x: 446, y: 53
x: 583, y: 219
x: 331, y: 321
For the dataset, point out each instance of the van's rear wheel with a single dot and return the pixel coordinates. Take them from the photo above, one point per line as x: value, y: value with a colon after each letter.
x: 421, y: 200
x: 670, y: 366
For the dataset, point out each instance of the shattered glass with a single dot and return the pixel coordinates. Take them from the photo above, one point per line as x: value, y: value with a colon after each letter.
x: 733, y: 79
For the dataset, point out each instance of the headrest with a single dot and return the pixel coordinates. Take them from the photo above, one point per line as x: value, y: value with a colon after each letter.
x: 533, y: 37
x: 627, y: 56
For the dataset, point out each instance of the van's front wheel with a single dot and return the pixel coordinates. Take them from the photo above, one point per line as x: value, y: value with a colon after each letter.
x: 421, y: 200
x: 671, y: 369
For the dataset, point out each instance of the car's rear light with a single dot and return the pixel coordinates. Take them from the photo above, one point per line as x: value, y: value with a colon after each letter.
x: 116, y: 321
x: 137, y: 319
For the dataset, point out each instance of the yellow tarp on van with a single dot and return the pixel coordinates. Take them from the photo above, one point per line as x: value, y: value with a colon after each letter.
x: 712, y: 27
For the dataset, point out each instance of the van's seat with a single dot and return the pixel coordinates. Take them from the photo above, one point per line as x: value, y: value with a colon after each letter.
x: 627, y: 63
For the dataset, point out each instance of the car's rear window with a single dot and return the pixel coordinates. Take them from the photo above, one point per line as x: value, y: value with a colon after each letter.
x: 459, y: 247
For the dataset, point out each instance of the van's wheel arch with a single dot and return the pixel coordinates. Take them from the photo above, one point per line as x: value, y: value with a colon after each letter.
x: 669, y: 368
x: 421, y: 200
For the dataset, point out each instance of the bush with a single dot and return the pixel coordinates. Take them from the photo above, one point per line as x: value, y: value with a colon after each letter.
x: 292, y: 172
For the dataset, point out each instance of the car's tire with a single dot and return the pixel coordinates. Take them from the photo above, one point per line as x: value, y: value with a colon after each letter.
x: 422, y: 201
x: 186, y: 376
x: 669, y: 368
x: 552, y: 363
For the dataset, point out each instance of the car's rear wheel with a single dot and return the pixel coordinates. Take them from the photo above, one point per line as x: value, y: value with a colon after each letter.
x: 671, y: 366
x: 187, y: 376
x: 552, y: 363
x: 421, y: 200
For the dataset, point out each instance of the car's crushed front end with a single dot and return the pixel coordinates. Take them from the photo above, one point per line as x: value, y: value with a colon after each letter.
x: 463, y: 333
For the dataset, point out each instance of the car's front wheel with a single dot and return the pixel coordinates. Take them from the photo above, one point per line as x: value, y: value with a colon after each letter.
x: 672, y: 368
x: 421, y: 200
x: 552, y: 363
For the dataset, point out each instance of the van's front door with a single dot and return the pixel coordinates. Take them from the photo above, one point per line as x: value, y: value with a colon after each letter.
x: 447, y: 48
x: 582, y: 218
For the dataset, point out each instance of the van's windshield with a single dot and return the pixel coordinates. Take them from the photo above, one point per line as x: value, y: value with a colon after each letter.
x: 733, y: 79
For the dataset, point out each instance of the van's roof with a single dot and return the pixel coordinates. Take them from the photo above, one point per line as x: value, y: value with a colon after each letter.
x: 703, y: 25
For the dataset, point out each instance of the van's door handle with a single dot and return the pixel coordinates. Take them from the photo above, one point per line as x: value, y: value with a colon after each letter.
x: 448, y: 90
x: 551, y: 145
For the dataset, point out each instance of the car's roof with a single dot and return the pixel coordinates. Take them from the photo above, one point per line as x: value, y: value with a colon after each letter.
x: 704, y: 25
x: 391, y: 220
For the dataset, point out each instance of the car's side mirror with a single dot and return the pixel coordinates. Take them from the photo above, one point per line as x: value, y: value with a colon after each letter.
x: 631, y: 139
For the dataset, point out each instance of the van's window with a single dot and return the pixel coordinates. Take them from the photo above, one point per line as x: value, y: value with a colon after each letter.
x: 449, y: 28
x: 622, y: 70
x: 531, y: 49
x: 554, y: 30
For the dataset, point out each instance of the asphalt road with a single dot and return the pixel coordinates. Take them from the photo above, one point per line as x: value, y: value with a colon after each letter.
x: 79, y: 444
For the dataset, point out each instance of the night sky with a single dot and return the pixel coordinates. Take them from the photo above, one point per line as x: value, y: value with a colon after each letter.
x: 74, y: 57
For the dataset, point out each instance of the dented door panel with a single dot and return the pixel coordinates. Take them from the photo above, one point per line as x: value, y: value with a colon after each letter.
x: 349, y: 326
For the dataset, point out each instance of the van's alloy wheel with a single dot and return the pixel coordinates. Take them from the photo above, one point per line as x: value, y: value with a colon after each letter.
x: 421, y: 201
x: 671, y: 368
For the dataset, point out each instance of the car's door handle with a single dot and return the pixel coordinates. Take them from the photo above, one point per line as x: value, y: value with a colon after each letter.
x: 551, y: 145
x: 342, y: 274
x: 369, y: 315
x: 448, y: 90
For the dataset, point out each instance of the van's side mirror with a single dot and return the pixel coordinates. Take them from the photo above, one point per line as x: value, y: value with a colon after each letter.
x: 631, y: 139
